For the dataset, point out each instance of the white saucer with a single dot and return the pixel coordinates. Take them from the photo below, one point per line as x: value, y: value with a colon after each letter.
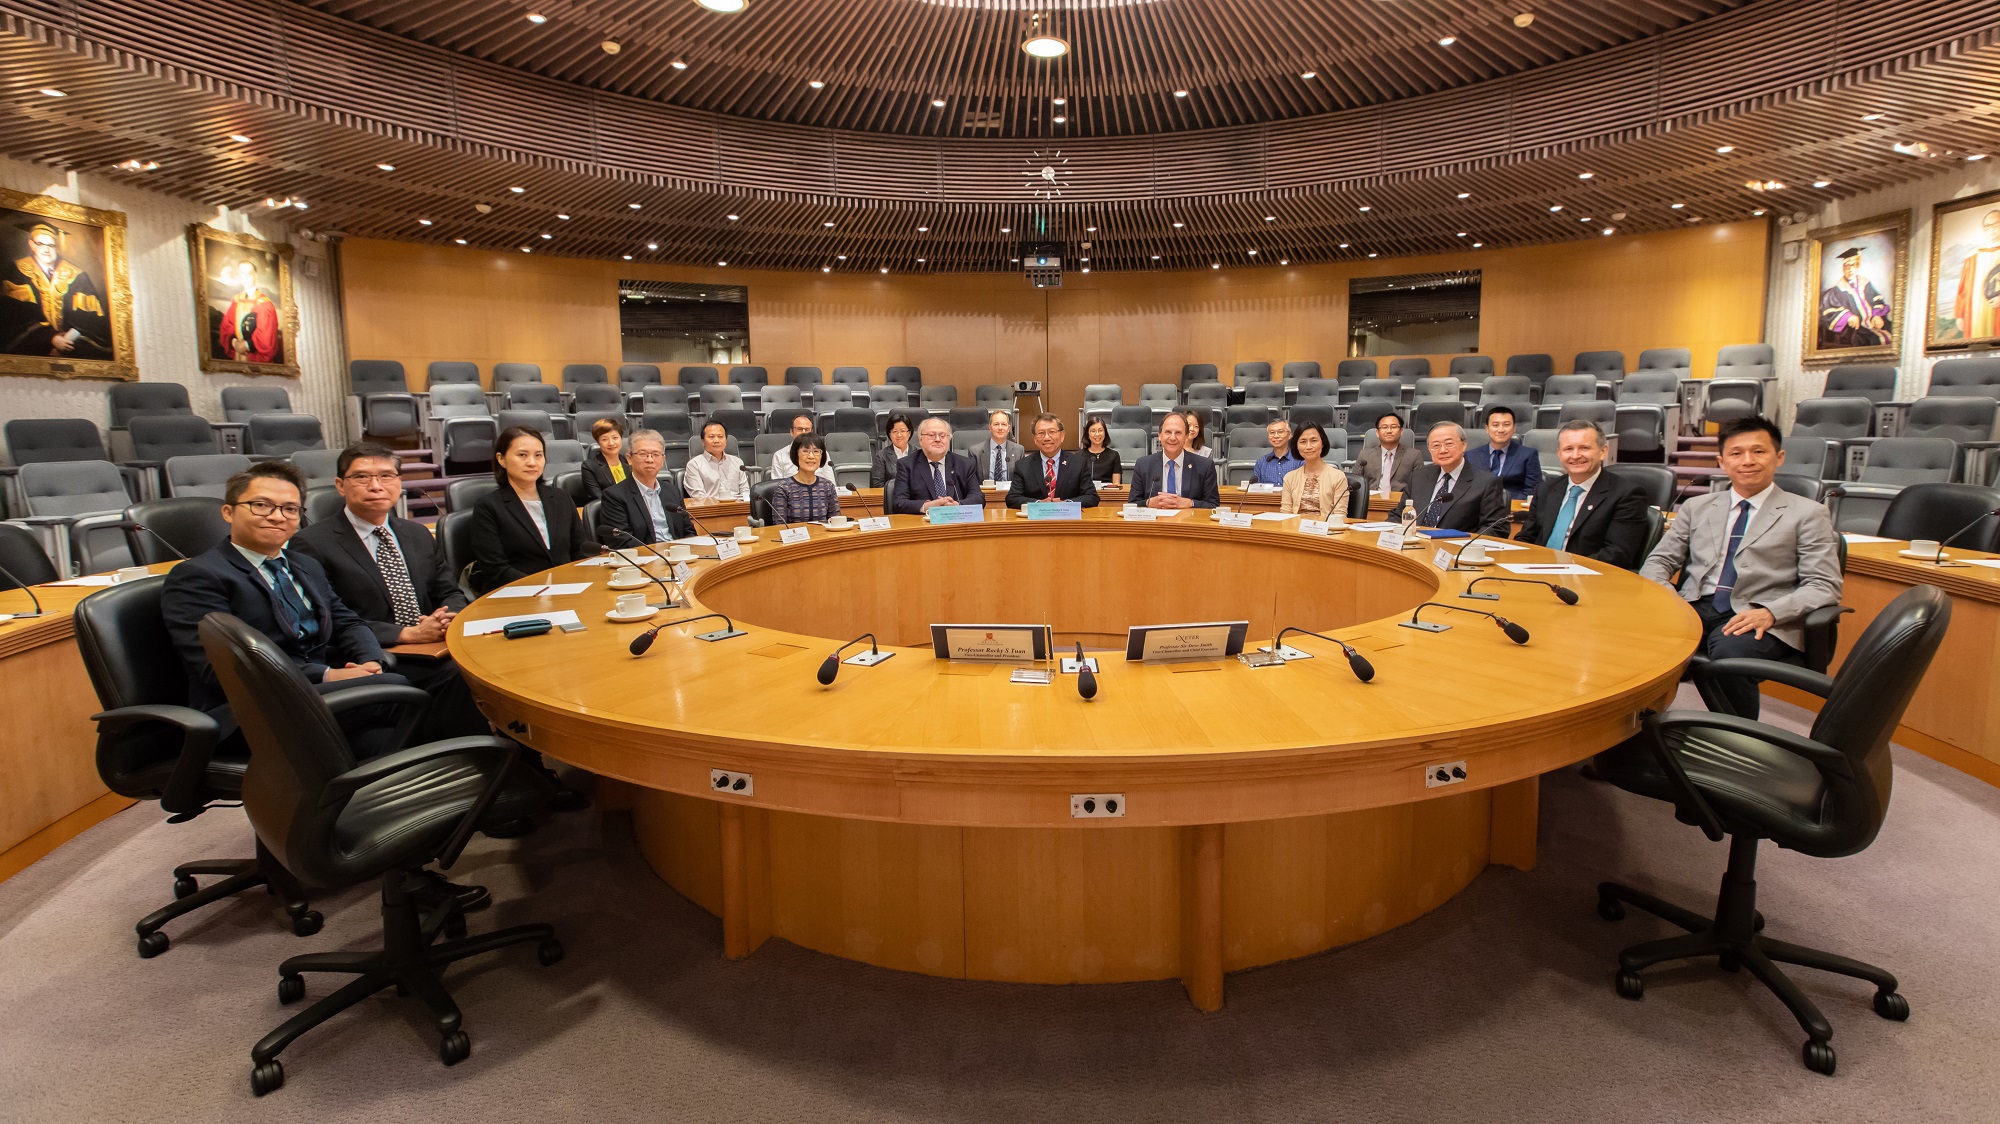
x: 642, y: 583
x: 649, y: 614
x: 1470, y: 562
x: 850, y: 525
x: 1926, y: 555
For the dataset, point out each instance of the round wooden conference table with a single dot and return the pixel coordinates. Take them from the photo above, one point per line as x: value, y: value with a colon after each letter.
x: 917, y: 814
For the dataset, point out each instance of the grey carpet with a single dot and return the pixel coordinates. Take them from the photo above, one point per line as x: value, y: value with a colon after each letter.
x: 1496, y: 1007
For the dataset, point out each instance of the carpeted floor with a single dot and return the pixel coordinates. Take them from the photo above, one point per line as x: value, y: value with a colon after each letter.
x: 1496, y: 1007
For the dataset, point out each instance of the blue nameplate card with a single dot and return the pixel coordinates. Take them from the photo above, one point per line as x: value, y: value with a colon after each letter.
x: 957, y: 513
x: 1058, y: 509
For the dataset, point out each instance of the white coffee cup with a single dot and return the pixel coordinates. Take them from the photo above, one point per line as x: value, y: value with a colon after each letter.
x: 1917, y: 546
x: 680, y: 552
x: 132, y: 573
x: 631, y: 604
x: 628, y: 575
x: 839, y: 521
x: 746, y: 534
x: 1473, y: 553
x: 1336, y: 520
x: 1219, y: 512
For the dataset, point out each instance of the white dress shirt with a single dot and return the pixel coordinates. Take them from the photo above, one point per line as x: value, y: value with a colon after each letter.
x: 1736, y: 499
x: 715, y: 478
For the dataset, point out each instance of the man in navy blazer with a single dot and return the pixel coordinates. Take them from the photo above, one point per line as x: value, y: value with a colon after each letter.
x: 331, y: 646
x: 917, y: 490
x: 1192, y: 478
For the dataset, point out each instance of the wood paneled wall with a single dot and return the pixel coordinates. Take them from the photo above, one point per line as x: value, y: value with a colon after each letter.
x: 1699, y: 288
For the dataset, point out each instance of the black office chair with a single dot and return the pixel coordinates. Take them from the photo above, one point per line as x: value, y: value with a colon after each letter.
x: 760, y: 502
x: 152, y: 746
x: 322, y: 504
x: 465, y: 494
x: 337, y: 823
x: 22, y: 556
x: 1657, y: 481
x: 1941, y: 511
x: 175, y: 527
x: 454, y: 534
x: 1656, y: 529
x: 1823, y: 795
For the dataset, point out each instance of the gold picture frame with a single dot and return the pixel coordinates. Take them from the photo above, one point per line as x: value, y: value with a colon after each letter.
x: 1848, y: 318
x: 1965, y: 233
x: 65, y: 291
x: 246, y: 321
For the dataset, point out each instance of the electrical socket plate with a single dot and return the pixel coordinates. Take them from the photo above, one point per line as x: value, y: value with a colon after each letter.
x: 867, y: 659
x: 1448, y: 773
x: 1097, y: 806
x: 1425, y: 626
x: 732, y: 782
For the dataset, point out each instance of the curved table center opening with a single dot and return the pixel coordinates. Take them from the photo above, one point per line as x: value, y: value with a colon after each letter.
x: 1090, y: 581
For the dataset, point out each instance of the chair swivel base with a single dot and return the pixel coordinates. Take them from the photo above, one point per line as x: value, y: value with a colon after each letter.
x: 412, y: 961
x: 238, y: 875
x: 1734, y: 936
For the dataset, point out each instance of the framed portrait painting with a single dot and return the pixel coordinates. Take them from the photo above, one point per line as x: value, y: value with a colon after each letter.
x: 1855, y: 279
x: 1965, y: 274
x: 65, y: 292
x: 244, y: 316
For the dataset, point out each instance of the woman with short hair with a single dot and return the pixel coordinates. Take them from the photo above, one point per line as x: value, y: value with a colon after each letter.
x: 805, y: 496
x: 525, y: 525
x: 607, y: 464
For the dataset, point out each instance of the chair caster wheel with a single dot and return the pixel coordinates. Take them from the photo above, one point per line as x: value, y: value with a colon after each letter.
x: 1892, y: 1005
x: 307, y: 923
x: 1611, y: 909
x: 1629, y: 985
x: 291, y: 989
x: 152, y: 944
x: 1818, y: 1057
x: 185, y: 887
x: 267, y: 1078
x: 454, y: 927
x: 454, y: 1048
x: 1728, y: 962
x: 550, y: 952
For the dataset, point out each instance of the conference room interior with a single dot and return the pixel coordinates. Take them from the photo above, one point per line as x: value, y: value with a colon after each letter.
x: 976, y: 560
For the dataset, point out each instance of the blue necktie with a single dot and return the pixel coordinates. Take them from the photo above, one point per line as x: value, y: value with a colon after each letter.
x: 1559, y: 530
x: 1173, y: 478
x: 304, y: 622
x: 1726, y: 581
x: 999, y: 473
x: 937, y: 480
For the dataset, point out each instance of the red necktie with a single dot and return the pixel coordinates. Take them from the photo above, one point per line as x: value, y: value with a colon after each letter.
x: 1051, y: 463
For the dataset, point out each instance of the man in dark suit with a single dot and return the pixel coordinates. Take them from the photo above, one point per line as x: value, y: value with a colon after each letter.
x: 646, y: 506
x: 936, y: 476
x: 1174, y: 477
x: 390, y: 572
x: 1589, y: 511
x: 1451, y: 494
x: 281, y: 593
x: 1052, y: 474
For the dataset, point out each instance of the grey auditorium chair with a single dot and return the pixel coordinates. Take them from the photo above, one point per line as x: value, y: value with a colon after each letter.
x: 464, y: 494
x: 633, y: 379
x: 450, y: 372
x: 1604, y: 366
x: 938, y: 399
x: 206, y: 477
x: 136, y: 399
x: 173, y: 527
x: 1656, y: 480
x: 993, y: 396
x: 281, y: 435
x: 539, y: 420
x: 1737, y: 388
x: 158, y: 438
x: 963, y: 440
x: 1192, y: 373
x: 1298, y: 371
x: 320, y: 466
x: 779, y: 420
x: 1436, y: 411
x: 1679, y: 362
x: 241, y: 403
x: 850, y: 376
x: 669, y: 398
x: 1893, y: 463
x: 1966, y: 420
x: 762, y: 449
x: 507, y: 376
x: 75, y: 506
x: 1317, y: 390
x: 462, y: 425
x: 535, y: 396
x: 584, y: 374
x: 1875, y: 383
x: 1545, y: 443
x: 848, y: 419
x: 1131, y: 442
x: 1269, y: 394
x: 1645, y: 400
x: 1965, y: 377
x: 1446, y: 389
x: 383, y: 405
x: 1824, y: 794
x: 851, y: 455
x: 1245, y: 444
x: 720, y: 396
x: 1835, y: 419
x: 321, y: 504
x: 454, y: 535
x: 1379, y: 390
x: 739, y: 424
x: 1605, y: 414
x: 1559, y: 391
x: 781, y: 397
x: 1160, y: 398
x: 591, y: 399
x: 1362, y: 416
x: 804, y: 376
x: 1511, y: 391
x: 1318, y: 412
x: 1256, y: 415
x: 888, y: 396
x: 1808, y: 462
x: 1470, y: 367
x: 904, y: 375
x: 1350, y: 374
x: 1956, y: 515
x: 1210, y: 396
x: 963, y: 418
x: 1535, y: 367
x: 697, y: 380
x: 335, y: 822
x: 1250, y: 371
x: 750, y: 378
x: 1132, y: 417
x: 22, y: 556
x: 1408, y: 371
x: 1099, y: 398
x: 564, y: 458
x: 677, y: 430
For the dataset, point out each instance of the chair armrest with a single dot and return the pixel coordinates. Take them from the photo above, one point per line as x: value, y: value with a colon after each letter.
x: 1827, y: 758
x: 1821, y: 628
x: 1790, y: 674
x: 199, y: 733
x: 388, y: 764
x: 1844, y: 488
x: 411, y: 699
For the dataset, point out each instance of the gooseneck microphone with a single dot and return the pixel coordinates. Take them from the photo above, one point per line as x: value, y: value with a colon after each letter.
x: 649, y: 576
x: 1946, y: 541
x: 1086, y: 679
x: 1461, y: 550
x: 135, y: 525
x: 1358, y: 663
x: 644, y: 640
x: 830, y: 667
x: 25, y: 588
x: 1563, y: 593
x: 1514, y: 631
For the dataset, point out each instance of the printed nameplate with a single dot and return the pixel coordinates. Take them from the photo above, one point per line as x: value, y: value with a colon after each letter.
x: 1056, y: 509
x: 957, y: 513
x: 725, y: 549
x: 794, y: 534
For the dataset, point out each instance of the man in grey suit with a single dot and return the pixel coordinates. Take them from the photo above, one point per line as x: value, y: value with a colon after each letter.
x: 1753, y: 560
x: 1386, y: 468
x: 996, y: 455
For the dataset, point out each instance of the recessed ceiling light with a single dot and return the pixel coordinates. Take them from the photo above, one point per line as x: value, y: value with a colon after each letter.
x: 1617, y: 216
x: 1059, y: 101
x: 1675, y: 206
x: 1180, y: 93
x: 537, y: 17
x: 136, y: 165
x: 1463, y: 233
x: 1554, y: 209
x: 1270, y: 218
x: 1477, y: 245
x: 483, y: 208
x: 1087, y: 259
x: 1006, y: 230
x: 386, y: 167
x: 1976, y: 156
x: 937, y: 103
x: 423, y: 222
x: 1045, y: 46
x: 679, y: 64
x: 1759, y: 212
x: 817, y: 84
x: 1216, y: 265
x: 652, y: 245
x: 526, y: 250
x: 628, y: 257
x: 1609, y: 230
x: 1252, y: 253
x: 731, y: 218
x: 1822, y: 183
x: 1725, y: 149
x: 1447, y: 41
x: 1585, y: 218
x: 1366, y: 207
x: 1179, y: 225
x: 634, y: 206
x: 1086, y: 269
x: 562, y: 216
x: 239, y: 138
x: 517, y: 190
x: 1310, y: 75
x: 546, y: 235
x: 460, y: 241
x: 1873, y: 116
x: 718, y: 261
x: 1524, y: 19
x: 828, y: 225
x: 1371, y: 255
x: 920, y: 261
x: 884, y: 269
x: 1343, y: 245
x: 1586, y: 175
x: 826, y: 269
x: 723, y: 6
x: 1284, y: 261
x: 840, y: 257
x: 1016, y: 260
x: 1060, y: 119
x: 610, y: 47
x: 51, y: 91
x: 1156, y: 257
x: 1465, y: 195
x: 923, y: 230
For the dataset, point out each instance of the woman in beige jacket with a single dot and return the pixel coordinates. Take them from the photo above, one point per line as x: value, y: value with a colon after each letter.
x: 1316, y: 489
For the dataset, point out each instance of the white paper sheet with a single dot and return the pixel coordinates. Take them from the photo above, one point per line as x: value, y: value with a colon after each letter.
x: 1989, y: 563
x: 563, y: 590
x: 1866, y: 538
x: 495, y: 624
x: 93, y: 579
x: 1376, y: 526
x: 1273, y: 516
x: 1545, y: 569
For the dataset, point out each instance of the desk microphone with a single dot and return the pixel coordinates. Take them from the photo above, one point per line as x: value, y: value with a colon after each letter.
x: 1086, y: 679
x: 25, y: 588
x: 1514, y: 631
x: 647, y: 547
x: 644, y: 640
x: 1363, y: 670
x: 1461, y: 550
x: 1564, y: 593
x: 135, y: 525
x: 831, y: 666
x: 1946, y: 541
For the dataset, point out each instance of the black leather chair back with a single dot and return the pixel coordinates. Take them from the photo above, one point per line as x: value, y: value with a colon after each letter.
x: 1940, y: 511
x: 760, y: 500
x: 464, y: 495
x: 21, y: 554
x: 188, y: 524
x: 454, y: 533
x: 322, y: 504
x: 131, y: 661
x: 1658, y: 481
x: 1869, y: 695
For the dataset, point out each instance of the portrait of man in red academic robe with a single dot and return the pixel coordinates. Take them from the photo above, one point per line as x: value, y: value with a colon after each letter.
x: 243, y: 303
x: 250, y: 331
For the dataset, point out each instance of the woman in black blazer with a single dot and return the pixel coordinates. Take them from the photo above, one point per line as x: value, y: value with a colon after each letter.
x: 598, y: 473
x: 901, y: 443
x: 524, y: 526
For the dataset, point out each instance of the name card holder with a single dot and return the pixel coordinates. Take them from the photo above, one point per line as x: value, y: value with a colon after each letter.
x: 725, y: 549
x: 1052, y: 510
x: 875, y: 523
x: 1237, y: 519
x: 790, y: 535
x: 1390, y: 540
x: 1005, y: 643
x: 1208, y: 640
x: 956, y: 513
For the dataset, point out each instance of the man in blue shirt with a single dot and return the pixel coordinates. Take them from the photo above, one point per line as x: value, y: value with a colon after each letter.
x: 1272, y: 466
